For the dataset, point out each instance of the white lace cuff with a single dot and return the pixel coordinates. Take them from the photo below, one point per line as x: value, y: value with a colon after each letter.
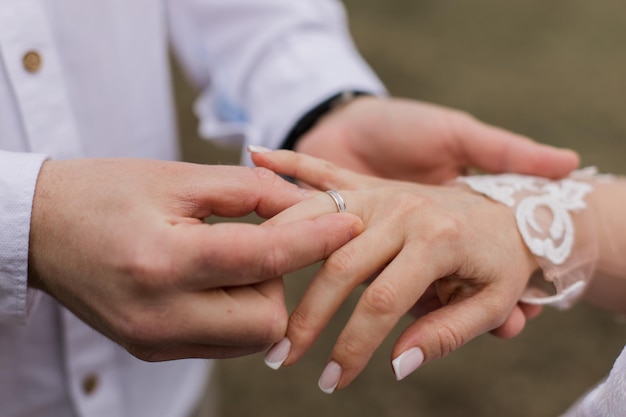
x: 551, y: 216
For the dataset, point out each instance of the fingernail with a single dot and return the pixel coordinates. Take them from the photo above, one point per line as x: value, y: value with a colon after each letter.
x: 258, y: 149
x: 330, y: 377
x: 277, y: 355
x: 407, y: 362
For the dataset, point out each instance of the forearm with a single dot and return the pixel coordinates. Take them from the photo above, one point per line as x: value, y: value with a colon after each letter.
x: 608, y: 286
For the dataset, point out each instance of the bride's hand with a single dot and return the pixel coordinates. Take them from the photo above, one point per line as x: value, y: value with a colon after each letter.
x: 417, y: 239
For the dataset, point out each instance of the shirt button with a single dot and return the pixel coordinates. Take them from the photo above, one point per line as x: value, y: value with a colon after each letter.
x: 90, y: 384
x: 32, y: 61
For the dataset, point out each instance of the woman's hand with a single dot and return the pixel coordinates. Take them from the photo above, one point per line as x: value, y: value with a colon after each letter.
x: 453, y: 254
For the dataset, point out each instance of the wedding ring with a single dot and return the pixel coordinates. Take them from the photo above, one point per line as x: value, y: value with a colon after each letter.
x: 341, y: 205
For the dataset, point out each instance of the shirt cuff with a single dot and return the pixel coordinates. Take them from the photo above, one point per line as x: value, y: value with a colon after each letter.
x: 18, y: 178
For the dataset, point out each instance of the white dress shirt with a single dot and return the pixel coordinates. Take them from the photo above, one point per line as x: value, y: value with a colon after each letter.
x: 91, y: 78
x: 608, y: 399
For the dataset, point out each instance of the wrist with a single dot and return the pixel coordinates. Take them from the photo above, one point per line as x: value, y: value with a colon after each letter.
x: 310, y: 119
x: 37, y: 234
x: 557, y: 226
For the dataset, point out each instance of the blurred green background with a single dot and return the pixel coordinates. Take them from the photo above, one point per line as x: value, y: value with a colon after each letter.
x: 555, y: 71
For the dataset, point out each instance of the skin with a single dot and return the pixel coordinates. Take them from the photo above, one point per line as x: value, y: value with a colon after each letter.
x: 453, y: 258
x: 454, y: 255
x: 133, y: 258
x: 415, y: 141
x: 122, y: 244
x: 410, y: 140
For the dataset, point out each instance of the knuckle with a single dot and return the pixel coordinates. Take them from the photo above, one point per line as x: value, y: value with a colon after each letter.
x: 148, y: 272
x: 274, y: 262
x: 350, y: 351
x: 340, y: 263
x: 302, y: 326
x: 380, y: 299
x: 276, y: 324
x: 268, y: 325
x: 448, y: 338
x: 329, y: 175
x: 458, y: 121
x: 404, y: 202
x: 445, y: 228
x: 264, y: 176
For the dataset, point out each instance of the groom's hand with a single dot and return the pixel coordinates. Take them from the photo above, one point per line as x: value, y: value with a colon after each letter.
x: 416, y: 141
x: 122, y: 243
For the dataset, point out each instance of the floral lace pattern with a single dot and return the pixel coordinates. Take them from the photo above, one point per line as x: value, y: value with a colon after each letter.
x: 558, y: 197
x: 544, y: 211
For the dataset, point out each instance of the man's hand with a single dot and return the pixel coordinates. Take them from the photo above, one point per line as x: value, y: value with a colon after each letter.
x: 414, y: 141
x: 122, y: 243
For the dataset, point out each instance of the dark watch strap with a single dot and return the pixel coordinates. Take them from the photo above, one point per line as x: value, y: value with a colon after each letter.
x: 307, y: 121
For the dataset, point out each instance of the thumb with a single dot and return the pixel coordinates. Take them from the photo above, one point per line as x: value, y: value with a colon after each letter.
x: 513, y: 324
x: 234, y: 254
x: 497, y: 150
x: 445, y: 330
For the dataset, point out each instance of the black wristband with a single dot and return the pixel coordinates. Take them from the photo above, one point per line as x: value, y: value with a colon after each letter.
x: 306, y: 122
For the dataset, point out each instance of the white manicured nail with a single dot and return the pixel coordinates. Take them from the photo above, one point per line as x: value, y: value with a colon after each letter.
x: 277, y: 355
x: 258, y: 149
x: 330, y: 377
x: 407, y: 362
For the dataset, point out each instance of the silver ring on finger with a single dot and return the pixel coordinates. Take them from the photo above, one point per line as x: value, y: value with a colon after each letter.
x: 339, y: 202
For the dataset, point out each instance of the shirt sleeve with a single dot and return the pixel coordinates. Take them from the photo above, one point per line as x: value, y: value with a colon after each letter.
x: 606, y: 399
x: 263, y: 64
x: 18, y: 177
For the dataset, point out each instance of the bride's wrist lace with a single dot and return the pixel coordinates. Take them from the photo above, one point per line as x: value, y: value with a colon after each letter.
x: 556, y: 225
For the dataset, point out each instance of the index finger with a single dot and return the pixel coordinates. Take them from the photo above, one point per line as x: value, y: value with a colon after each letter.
x: 383, y: 303
x: 318, y: 173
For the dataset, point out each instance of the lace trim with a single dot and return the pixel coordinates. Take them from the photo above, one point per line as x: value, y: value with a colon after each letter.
x: 560, y: 198
x: 543, y: 211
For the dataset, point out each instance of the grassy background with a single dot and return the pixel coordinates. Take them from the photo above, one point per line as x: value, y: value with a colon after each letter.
x: 552, y: 70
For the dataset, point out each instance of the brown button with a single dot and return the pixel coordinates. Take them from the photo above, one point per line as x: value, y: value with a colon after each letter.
x: 32, y: 61
x: 90, y: 384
